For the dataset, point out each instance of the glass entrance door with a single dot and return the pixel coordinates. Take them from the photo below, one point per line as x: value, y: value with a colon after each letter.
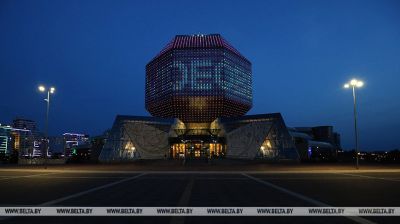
x: 197, y: 149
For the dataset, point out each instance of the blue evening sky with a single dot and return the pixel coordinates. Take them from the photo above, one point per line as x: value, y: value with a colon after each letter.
x: 95, y: 52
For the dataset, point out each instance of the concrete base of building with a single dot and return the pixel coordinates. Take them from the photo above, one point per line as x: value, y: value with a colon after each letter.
x: 251, y: 137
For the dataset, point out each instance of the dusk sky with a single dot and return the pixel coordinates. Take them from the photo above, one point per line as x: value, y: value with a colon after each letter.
x: 302, y: 52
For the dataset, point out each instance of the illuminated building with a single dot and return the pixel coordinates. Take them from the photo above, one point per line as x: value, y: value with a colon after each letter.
x: 197, y: 79
x: 22, y: 123
x: 31, y: 143
x: 72, y: 141
x: 14, y: 141
x: 198, y: 90
x: 5, y: 138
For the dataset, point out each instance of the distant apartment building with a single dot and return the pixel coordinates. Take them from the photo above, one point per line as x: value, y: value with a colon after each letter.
x: 22, y: 123
x: 15, y: 142
x: 5, y: 139
x: 34, y: 141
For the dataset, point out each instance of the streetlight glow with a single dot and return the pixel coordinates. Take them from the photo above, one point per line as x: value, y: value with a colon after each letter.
x: 50, y: 90
x: 354, y: 83
x: 42, y: 88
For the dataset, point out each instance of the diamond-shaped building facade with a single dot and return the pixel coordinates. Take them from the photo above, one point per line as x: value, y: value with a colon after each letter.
x: 198, y: 78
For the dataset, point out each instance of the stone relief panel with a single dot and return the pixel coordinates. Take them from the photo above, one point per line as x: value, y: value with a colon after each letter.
x: 245, y: 142
x: 149, y: 141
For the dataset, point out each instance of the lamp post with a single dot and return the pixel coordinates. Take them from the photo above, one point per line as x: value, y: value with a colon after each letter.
x: 50, y: 90
x: 354, y: 83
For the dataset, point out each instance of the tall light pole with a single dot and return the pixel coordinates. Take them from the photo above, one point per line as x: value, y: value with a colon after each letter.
x: 354, y: 83
x: 50, y: 90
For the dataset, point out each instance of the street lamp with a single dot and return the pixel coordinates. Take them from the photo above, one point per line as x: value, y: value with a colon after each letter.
x: 354, y: 83
x: 50, y: 90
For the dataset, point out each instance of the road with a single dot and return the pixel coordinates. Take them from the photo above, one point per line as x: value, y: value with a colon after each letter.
x: 57, y: 187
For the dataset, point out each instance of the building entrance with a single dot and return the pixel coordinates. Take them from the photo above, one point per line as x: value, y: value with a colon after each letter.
x: 196, y: 150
